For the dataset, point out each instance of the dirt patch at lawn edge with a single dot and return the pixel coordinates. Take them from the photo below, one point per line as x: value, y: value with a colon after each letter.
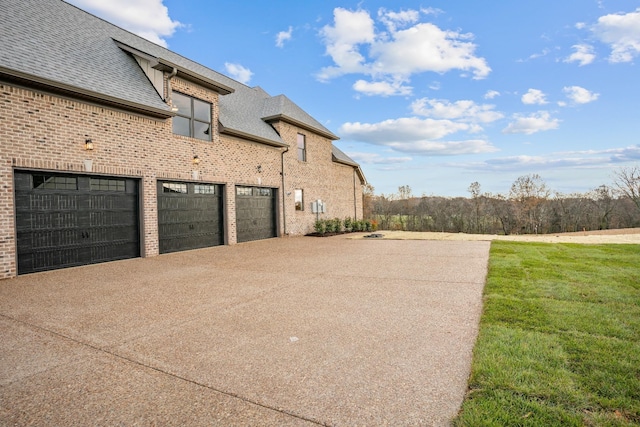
x: 622, y: 236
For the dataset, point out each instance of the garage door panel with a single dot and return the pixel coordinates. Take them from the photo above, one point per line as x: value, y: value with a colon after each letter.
x: 53, y: 258
x: 255, y: 213
x: 189, y: 220
x: 60, y: 221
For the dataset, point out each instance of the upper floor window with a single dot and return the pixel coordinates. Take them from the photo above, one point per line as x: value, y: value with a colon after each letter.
x: 302, y: 148
x: 193, y: 117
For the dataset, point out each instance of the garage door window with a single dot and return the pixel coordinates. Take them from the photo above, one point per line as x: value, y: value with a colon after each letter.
x: 244, y: 191
x: 204, y: 189
x: 50, y: 182
x: 174, y: 187
x: 101, y: 184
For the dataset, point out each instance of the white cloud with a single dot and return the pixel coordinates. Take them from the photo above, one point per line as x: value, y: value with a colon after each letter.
x: 491, y: 94
x: 559, y: 160
x: 147, y: 18
x: 238, y: 72
x: 544, y: 52
x: 381, y: 88
x: 283, y: 36
x: 552, y: 161
x: 356, y: 47
x: 425, y: 47
x: 444, y: 148
x: 415, y: 135
x: 534, y: 96
x: 431, y: 11
x: 621, y: 31
x: 583, y: 55
x: 463, y: 110
x: 377, y: 159
x: 350, y: 30
x: 532, y: 123
x: 393, y: 20
x: 580, y: 95
x: 615, y: 155
x: 402, y: 129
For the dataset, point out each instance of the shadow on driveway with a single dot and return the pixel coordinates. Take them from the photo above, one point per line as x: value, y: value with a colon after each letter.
x: 295, y: 331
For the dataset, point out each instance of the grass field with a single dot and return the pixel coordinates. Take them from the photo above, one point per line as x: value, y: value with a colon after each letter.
x: 559, y: 340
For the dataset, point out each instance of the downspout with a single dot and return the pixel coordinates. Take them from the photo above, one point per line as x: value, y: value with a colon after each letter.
x: 355, y: 202
x: 171, y: 75
x: 284, y: 205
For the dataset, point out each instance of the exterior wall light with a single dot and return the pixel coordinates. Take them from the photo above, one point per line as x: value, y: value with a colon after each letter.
x: 259, y: 168
x: 196, y: 160
x: 88, y: 144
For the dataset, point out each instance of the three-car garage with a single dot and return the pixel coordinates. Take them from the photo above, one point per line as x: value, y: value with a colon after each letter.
x: 66, y: 220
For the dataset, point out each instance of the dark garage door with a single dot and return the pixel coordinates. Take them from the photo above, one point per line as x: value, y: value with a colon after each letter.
x: 189, y: 216
x: 68, y: 220
x: 255, y: 213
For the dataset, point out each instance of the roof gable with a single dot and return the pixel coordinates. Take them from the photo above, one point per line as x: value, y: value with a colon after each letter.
x: 282, y: 108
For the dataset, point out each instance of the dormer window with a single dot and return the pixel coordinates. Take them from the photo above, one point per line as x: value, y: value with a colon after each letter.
x: 193, y: 118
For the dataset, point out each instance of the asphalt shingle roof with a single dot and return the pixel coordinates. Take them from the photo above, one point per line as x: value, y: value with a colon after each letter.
x: 53, y: 42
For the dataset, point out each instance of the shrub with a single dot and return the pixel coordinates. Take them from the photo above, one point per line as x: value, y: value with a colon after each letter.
x: 320, y: 226
x: 348, y: 224
x: 329, y: 225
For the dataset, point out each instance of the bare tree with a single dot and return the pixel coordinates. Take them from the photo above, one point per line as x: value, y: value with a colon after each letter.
x: 474, y: 189
x: 604, y: 203
x: 530, y: 194
x: 504, y: 210
x: 404, y: 192
x: 527, y: 209
x: 368, y: 196
x: 627, y: 181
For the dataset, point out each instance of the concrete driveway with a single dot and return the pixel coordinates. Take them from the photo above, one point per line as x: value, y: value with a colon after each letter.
x: 296, y: 331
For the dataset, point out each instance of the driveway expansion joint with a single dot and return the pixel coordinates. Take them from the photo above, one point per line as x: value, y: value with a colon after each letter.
x: 102, y: 350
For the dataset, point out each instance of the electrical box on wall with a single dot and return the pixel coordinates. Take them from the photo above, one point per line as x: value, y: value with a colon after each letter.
x: 318, y: 207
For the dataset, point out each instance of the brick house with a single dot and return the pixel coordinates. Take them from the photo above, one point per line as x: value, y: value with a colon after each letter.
x: 113, y: 147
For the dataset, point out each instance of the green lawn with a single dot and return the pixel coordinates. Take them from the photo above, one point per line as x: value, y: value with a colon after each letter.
x: 559, y: 340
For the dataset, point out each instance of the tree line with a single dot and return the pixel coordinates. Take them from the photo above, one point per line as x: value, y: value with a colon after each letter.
x: 529, y: 207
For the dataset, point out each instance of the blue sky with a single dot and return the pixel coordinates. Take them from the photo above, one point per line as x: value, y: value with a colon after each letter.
x: 431, y: 94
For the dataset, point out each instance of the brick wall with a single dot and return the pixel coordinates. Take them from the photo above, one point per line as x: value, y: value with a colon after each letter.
x: 319, y: 178
x: 39, y: 131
